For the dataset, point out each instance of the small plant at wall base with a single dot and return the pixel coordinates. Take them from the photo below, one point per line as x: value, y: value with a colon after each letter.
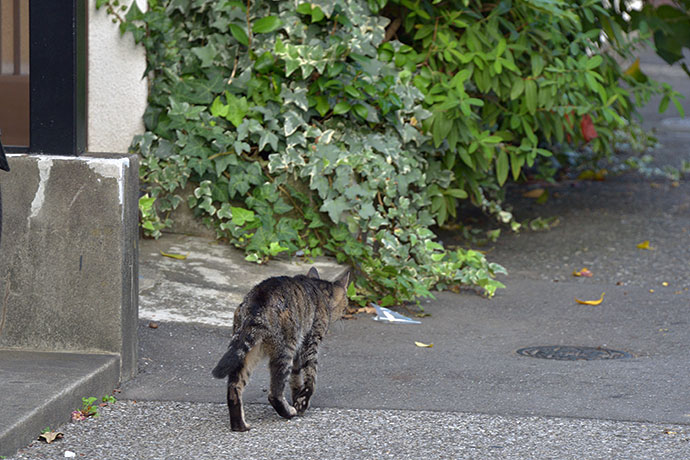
x: 325, y: 127
x: 88, y: 409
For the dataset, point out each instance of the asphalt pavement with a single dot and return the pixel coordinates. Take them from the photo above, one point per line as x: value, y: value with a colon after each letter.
x: 471, y: 395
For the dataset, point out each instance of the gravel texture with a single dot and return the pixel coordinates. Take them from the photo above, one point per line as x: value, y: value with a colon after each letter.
x: 180, y: 430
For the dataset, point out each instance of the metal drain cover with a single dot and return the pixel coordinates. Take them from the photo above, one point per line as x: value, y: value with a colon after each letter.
x: 568, y: 353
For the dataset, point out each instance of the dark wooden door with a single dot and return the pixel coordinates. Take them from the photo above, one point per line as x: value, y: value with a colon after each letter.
x: 14, y: 72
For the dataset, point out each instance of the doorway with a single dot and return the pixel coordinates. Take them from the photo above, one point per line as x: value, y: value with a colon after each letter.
x: 14, y: 72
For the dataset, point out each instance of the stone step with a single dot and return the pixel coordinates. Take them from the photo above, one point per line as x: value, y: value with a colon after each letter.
x: 41, y: 389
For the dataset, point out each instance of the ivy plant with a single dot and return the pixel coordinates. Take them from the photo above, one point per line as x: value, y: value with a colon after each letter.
x: 353, y: 127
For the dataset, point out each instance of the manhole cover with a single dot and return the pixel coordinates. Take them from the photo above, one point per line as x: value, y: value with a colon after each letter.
x: 567, y: 353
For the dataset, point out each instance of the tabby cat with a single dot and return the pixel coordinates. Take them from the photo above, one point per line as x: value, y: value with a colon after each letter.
x: 282, y: 318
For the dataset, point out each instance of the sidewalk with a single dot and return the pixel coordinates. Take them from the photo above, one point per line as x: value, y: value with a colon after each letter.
x: 471, y: 395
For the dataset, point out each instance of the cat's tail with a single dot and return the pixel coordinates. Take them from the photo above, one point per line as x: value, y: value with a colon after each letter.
x: 233, y: 360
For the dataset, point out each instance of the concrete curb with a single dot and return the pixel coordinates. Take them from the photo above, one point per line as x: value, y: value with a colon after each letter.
x: 29, y: 405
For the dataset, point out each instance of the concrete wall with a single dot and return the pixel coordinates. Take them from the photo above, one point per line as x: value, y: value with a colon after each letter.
x: 69, y: 249
x: 69, y: 255
x: 117, y: 89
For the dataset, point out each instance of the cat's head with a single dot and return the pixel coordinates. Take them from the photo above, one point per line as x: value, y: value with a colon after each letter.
x: 338, y: 297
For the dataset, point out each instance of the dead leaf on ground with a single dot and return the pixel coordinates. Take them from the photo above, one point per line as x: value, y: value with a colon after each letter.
x: 367, y: 310
x: 645, y: 245
x: 590, y: 174
x: 174, y: 256
x: 591, y: 302
x: 584, y: 272
x: 153, y: 325
x: 543, y: 198
x: 422, y: 315
x: 424, y: 345
x: 50, y: 436
x: 534, y: 193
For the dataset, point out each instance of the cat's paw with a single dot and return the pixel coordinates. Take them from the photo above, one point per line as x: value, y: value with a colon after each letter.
x: 301, y: 404
x: 239, y: 427
x: 301, y: 401
x: 282, y: 407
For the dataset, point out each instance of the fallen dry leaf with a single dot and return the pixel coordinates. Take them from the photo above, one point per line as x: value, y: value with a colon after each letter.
x: 422, y: 315
x: 665, y: 284
x: 584, y: 272
x: 590, y: 174
x: 534, y: 193
x: 645, y: 245
x: 591, y: 302
x: 367, y: 310
x: 50, y: 436
x: 174, y: 256
x: 424, y: 345
x: 543, y: 197
x: 153, y: 325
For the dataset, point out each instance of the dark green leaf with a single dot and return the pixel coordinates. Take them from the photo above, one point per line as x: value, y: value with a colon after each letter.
x: 341, y: 107
x: 267, y: 24
x: 502, y: 167
x: 239, y: 34
x: 361, y: 111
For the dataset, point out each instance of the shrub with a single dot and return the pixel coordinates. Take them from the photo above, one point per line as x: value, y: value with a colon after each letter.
x: 324, y: 127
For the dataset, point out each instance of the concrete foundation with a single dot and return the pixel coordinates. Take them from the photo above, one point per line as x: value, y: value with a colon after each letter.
x: 69, y: 256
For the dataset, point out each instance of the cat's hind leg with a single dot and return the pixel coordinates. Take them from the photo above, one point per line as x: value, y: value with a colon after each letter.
x: 296, y: 377
x: 309, y: 362
x: 236, y: 384
x: 280, y: 367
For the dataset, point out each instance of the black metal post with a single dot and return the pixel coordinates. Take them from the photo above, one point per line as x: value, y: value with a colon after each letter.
x: 57, y: 76
x: 6, y: 167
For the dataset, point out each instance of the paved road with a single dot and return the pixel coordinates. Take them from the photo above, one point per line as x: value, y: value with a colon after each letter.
x: 182, y: 430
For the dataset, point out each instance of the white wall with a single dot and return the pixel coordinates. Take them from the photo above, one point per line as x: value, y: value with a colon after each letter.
x: 116, y: 90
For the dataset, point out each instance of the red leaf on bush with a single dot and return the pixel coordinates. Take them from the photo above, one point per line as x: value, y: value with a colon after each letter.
x: 587, y: 127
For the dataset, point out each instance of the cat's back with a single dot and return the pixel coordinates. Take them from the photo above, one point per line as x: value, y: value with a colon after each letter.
x: 296, y: 296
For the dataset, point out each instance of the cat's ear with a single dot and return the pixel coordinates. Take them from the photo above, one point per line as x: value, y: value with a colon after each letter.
x: 343, y: 280
x: 313, y: 273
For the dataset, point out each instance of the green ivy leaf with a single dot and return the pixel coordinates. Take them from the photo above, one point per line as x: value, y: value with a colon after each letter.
x: 241, y: 216
x: 266, y: 25
x: 239, y: 34
x: 267, y: 137
x: 237, y: 109
x: 361, y: 111
x: 218, y: 109
x: 341, y: 107
x: 322, y: 106
x: 334, y: 207
x: 206, y: 53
